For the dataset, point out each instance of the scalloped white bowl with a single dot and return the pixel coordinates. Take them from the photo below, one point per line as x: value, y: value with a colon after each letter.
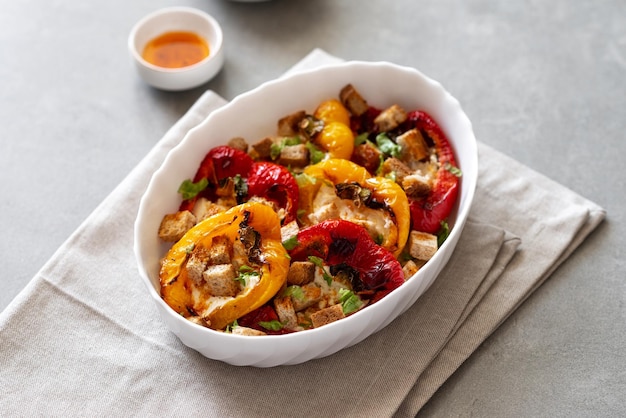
x: 253, y: 115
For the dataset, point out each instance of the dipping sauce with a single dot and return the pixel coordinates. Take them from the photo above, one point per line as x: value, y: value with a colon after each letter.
x: 176, y: 49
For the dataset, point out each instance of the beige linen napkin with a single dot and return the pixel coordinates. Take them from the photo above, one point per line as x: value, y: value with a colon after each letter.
x: 83, y: 338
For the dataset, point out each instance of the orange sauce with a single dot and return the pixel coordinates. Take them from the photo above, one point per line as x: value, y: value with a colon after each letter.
x: 176, y: 50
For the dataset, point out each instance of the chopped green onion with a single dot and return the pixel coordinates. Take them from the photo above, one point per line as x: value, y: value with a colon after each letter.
x: 273, y: 325
x: 291, y: 243
x: 320, y: 263
x: 350, y: 302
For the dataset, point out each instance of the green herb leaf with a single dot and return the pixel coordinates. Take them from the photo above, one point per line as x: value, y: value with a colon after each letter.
x: 387, y: 146
x: 244, y: 274
x: 273, y: 325
x: 291, y: 243
x: 294, y: 291
x: 304, y: 179
x: 453, y: 169
x: 315, y: 153
x: 241, y: 187
x: 320, y: 263
x: 188, y: 189
x: 442, y: 235
x: 350, y: 302
x: 229, y: 328
x: 361, y: 139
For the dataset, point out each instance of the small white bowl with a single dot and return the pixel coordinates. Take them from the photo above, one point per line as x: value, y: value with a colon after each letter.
x: 381, y: 84
x: 177, y: 19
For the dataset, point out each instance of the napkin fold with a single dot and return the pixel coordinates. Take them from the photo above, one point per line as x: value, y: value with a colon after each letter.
x: 83, y: 336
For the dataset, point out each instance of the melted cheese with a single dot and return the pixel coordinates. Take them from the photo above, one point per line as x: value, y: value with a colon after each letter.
x: 327, y: 205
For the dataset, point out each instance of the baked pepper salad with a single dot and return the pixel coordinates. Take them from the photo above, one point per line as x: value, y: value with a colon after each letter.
x: 295, y: 231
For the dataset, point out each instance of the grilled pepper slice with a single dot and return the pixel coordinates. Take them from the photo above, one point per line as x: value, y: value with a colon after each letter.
x: 255, y: 227
x: 336, y: 136
x: 343, y: 243
x: 274, y: 182
x: 219, y: 163
x: 378, y: 203
x: 428, y: 213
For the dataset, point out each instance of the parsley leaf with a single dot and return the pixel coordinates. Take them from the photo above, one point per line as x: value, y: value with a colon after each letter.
x: 315, y: 153
x: 273, y: 325
x: 350, y: 302
x: 444, y: 231
x: 244, y: 274
x: 387, y: 146
x: 291, y: 243
x: 294, y: 291
x: 189, y: 189
x: 360, y: 139
x: 320, y: 263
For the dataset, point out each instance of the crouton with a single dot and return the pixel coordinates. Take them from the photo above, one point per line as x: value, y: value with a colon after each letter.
x: 289, y: 125
x: 175, y: 225
x: 301, y: 273
x: 246, y: 331
x: 390, y: 118
x: 409, y: 269
x: 368, y: 156
x: 311, y: 294
x: 221, y: 250
x: 289, y: 231
x: 422, y: 245
x: 220, y: 280
x: 294, y: 156
x: 286, y: 313
x: 414, y: 146
x: 394, y: 165
x: 352, y: 100
x: 205, y: 208
x: 196, y: 263
x: 238, y: 143
x: 416, y: 185
x: 263, y: 148
x: 327, y: 315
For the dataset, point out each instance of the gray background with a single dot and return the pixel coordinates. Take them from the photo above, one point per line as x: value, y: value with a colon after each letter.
x: 544, y: 82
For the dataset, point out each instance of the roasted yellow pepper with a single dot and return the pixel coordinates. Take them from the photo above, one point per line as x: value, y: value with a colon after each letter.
x: 349, y: 177
x: 336, y: 137
x: 270, y: 264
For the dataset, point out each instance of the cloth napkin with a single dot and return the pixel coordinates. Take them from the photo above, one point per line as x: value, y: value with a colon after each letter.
x: 83, y: 338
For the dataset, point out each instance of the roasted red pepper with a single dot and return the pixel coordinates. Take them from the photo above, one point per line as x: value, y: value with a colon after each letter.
x: 271, y: 181
x: 339, y: 242
x: 276, y: 183
x: 219, y: 163
x: 428, y: 213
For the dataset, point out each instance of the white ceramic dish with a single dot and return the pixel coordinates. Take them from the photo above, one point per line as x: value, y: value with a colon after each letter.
x: 177, y: 19
x: 382, y: 84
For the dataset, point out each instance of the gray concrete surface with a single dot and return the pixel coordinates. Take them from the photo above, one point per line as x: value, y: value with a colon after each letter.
x: 544, y: 82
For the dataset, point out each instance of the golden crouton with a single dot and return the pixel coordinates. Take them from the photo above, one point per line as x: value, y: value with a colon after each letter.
x: 246, y: 331
x: 263, y: 148
x: 288, y: 126
x: 196, y: 263
x: 220, y: 280
x: 294, y: 155
x: 414, y: 146
x: 311, y: 294
x: 221, y: 250
x: 285, y: 311
x: 390, y: 118
x: 394, y: 165
x: 352, y: 100
x: 238, y: 143
x: 175, y: 225
x: 422, y: 245
x: 301, y: 273
x: 416, y: 185
x: 327, y: 315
